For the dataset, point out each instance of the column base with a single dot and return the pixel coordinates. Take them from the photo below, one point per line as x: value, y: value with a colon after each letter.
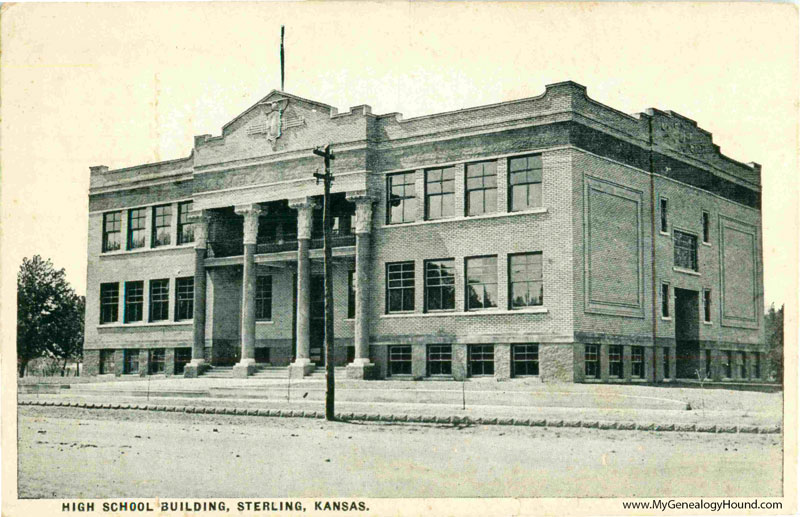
x: 244, y: 368
x: 300, y: 368
x: 195, y: 368
x: 362, y: 369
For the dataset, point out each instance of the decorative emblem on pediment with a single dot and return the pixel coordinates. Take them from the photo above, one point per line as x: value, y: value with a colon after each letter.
x: 268, y: 124
x: 683, y: 137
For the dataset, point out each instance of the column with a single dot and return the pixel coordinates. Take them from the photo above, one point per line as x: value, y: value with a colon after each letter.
x: 302, y: 365
x: 201, y: 220
x: 247, y: 364
x: 361, y: 367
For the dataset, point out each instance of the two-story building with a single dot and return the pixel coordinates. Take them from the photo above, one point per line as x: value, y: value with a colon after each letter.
x: 549, y: 237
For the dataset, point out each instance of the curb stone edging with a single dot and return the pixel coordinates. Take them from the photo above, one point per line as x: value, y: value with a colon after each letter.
x: 425, y: 419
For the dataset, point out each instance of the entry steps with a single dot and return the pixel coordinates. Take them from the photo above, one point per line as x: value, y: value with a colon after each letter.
x: 267, y: 372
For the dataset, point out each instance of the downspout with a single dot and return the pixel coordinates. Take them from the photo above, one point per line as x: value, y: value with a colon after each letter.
x: 653, y: 241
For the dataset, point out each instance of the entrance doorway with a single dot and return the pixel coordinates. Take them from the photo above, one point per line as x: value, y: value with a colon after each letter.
x: 687, y: 334
x: 317, y: 334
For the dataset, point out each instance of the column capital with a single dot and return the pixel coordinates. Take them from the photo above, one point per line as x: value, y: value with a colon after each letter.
x: 364, y: 204
x: 305, y: 215
x: 200, y: 219
x: 250, y: 213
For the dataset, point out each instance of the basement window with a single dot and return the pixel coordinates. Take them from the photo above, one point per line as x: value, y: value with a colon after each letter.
x: 156, y: 361
x: 591, y: 361
x: 637, y: 362
x: 525, y: 360
x: 481, y: 360
x: 400, y: 360
x: 615, y: 361
x: 440, y: 360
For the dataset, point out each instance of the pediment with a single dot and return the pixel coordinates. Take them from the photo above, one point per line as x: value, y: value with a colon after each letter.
x: 275, y: 113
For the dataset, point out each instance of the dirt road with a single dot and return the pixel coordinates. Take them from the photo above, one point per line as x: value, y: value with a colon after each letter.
x: 74, y: 453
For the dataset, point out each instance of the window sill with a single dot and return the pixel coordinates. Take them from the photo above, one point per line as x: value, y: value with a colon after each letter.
x: 141, y: 324
x: 666, y: 318
x: 189, y: 245
x: 265, y: 322
x: 665, y: 234
x: 467, y: 218
x: 490, y: 312
x: 706, y: 244
x: 348, y: 319
x: 685, y: 271
x: 708, y: 323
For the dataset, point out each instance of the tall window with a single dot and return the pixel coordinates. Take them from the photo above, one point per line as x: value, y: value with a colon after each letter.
x: 351, y: 294
x: 401, y: 205
x: 130, y: 361
x: 481, y: 275
x: 481, y: 360
x: 400, y: 287
x: 757, y: 365
x: 185, y: 227
x: 525, y: 182
x: 107, y: 362
x: 162, y: 225
x: 264, y: 297
x: 741, y: 364
x: 399, y: 360
x: 481, y: 188
x: 707, y: 305
x: 665, y: 300
x: 591, y: 361
x: 134, y: 301
x: 525, y: 360
x: 112, y: 222
x: 439, y: 193
x: 159, y: 300
x: 137, y: 218
x: 666, y: 362
x: 440, y: 359
x: 109, y: 302
x: 706, y: 227
x: 615, y: 361
x: 156, y: 361
x: 637, y: 362
x: 440, y: 285
x: 525, y: 280
x: 685, y: 250
x: 727, y: 358
x: 664, y: 213
x: 184, y: 298
x: 709, y: 373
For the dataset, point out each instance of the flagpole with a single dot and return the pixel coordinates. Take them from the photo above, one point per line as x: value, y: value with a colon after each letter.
x: 282, y: 58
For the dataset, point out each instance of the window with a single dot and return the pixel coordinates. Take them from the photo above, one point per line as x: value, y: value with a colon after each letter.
x: 706, y: 228
x: 709, y: 372
x: 481, y: 187
x: 183, y: 356
x: 481, y: 360
x: 525, y: 182
x: 400, y: 360
x: 162, y: 225
x: 525, y: 360
x: 156, y: 361
x: 351, y: 294
x: 615, y: 361
x: 134, y: 301
x: 159, y: 300
x: 741, y: 365
x: 185, y: 227
x: 664, y: 212
x: 440, y: 359
x: 439, y: 193
x: 756, y: 365
x: 263, y: 297
x: 665, y: 300
x: 666, y: 362
x: 685, y: 250
x: 184, y: 299
x: 109, y: 302
x: 637, y: 362
x: 112, y: 222
x: 400, y: 287
x: 525, y: 280
x: 106, y: 362
x: 591, y: 361
x: 707, y: 305
x: 137, y: 218
x: 401, y: 205
x: 481, y: 291
x: 130, y: 361
x: 440, y: 285
x: 727, y: 358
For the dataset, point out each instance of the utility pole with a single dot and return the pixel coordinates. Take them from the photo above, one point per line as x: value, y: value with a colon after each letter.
x: 327, y: 179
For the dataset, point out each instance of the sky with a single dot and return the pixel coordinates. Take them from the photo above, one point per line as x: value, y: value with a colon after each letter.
x: 126, y: 84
